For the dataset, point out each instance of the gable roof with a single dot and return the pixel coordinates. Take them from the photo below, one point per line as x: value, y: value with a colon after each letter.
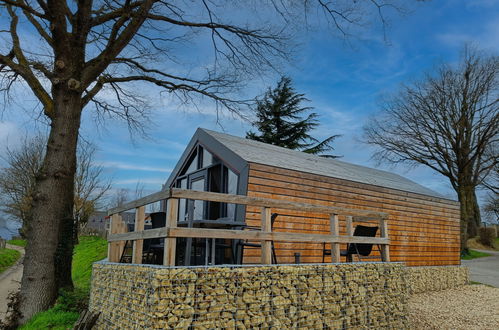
x: 267, y: 154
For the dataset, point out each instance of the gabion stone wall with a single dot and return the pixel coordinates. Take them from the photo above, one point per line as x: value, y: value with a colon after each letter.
x: 331, y: 296
x: 436, y: 278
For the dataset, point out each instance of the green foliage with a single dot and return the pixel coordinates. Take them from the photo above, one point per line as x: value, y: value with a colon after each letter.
x: 8, y: 257
x: 89, y: 250
x: 472, y: 254
x: 18, y: 242
x: 280, y: 122
x: 70, y: 303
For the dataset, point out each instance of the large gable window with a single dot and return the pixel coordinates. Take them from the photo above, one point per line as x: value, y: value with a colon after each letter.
x: 205, y: 172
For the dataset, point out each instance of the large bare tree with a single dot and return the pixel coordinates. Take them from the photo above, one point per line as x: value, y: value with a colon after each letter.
x: 77, y: 54
x: 18, y: 184
x: 448, y: 122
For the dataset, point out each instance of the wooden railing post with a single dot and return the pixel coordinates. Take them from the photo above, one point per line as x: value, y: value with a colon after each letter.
x: 140, y: 215
x: 114, y: 249
x: 335, y: 230
x: 349, y: 225
x: 170, y: 242
x: 266, y: 227
x: 110, y: 245
x: 385, y: 248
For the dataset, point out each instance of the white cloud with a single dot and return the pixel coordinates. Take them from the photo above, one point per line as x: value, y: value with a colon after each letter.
x: 487, y: 38
x: 10, y: 135
x: 133, y: 167
x: 150, y: 181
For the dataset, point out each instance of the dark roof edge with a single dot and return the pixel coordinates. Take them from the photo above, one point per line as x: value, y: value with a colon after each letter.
x: 214, y: 146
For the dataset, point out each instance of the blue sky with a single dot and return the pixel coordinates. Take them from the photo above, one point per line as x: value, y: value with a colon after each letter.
x: 344, y: 80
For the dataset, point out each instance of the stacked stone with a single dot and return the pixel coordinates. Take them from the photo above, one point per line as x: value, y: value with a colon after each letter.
x: 121, y: 294
x: 436, y: 278
x: 295, y: 296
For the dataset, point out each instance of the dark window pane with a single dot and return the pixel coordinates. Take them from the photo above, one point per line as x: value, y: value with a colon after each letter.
x: 182, y: 203
x: 207, y: 158
x: 232, y: 179
x: 198, y: 205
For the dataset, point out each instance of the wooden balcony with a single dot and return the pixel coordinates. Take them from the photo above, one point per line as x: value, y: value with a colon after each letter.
x: 118, y: 234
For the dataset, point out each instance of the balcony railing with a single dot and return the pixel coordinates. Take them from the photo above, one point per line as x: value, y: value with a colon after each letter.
x: 118, y: 230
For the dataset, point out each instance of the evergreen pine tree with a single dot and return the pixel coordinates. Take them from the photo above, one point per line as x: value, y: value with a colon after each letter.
x: 280, y: 121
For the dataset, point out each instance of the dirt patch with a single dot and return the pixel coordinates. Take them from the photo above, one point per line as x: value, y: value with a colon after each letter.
x: 466, y: 307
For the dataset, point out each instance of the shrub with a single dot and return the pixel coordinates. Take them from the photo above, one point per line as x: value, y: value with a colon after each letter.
x: 487, y: 235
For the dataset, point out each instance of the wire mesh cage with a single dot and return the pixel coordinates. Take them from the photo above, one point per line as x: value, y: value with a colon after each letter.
x: 327, y: 296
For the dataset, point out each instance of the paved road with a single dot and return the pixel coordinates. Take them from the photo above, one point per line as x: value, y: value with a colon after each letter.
x: 485, y: 270
x: 10, y: 280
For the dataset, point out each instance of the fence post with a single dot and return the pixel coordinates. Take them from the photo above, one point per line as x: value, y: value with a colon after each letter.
x: 349, y: 226
x: 170, y: 242
x: 385, y: 249
x: 335, y: 230
x: 266, y: 227
x: 113, y: 249
x: 139, y: 226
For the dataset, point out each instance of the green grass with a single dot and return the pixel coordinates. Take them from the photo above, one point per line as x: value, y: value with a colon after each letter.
x: 66, y: 311
x: 89, y: 250
x: 18, y: 242
x: 52, y: 319
x: 472, y: 254
x: 8, y: 257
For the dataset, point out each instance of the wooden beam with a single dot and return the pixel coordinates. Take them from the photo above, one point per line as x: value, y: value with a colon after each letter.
x: 244, y: 235
x: 365, y: 219
x: 385, y: 249
x: 160, y: 195
x: 335, y: 231
x: 170, y: 242
x: 349, y: 226
x: 243, y: 200
x: 145, y: 234
x: 271, y: 203
x: 140, y: 215
x: 266, y: 254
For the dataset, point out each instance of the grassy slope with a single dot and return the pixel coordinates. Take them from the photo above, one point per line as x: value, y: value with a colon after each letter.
x: 18, y: 242
x: 89, y: 250
x: 8, y: 257
x: 474, y: 254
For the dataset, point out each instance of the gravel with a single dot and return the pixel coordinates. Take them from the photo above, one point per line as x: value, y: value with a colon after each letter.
x: 466, y: 307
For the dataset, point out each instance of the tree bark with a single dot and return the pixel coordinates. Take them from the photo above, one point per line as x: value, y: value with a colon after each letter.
x: 470, y: 213
x: 46, y: 261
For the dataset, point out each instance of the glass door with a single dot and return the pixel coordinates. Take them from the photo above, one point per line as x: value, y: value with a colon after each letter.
x: 197, y: 209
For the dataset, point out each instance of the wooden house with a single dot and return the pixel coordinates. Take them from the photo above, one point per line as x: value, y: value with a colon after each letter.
x: 423, y: 225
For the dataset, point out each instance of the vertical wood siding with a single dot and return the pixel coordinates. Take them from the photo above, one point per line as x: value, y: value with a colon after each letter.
x: 423, y: 230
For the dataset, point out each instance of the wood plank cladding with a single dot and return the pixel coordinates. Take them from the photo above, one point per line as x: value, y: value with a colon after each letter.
x: 423, y: 230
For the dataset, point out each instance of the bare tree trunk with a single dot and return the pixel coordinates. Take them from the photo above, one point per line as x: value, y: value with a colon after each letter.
x: 46, y: 261
x: 470, y: 213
